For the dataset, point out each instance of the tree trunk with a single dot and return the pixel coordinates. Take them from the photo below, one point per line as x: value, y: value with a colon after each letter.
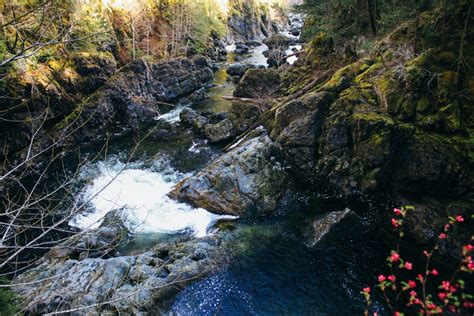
x: 370, y: 12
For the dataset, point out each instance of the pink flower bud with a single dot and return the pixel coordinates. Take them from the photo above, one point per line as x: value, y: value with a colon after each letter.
x: 395, y: 223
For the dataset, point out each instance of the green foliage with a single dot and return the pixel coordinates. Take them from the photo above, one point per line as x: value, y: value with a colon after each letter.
x: 7, y: 300
x: 345, y: 18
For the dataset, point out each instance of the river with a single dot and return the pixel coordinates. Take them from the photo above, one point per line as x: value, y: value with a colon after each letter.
x: 274, y: 268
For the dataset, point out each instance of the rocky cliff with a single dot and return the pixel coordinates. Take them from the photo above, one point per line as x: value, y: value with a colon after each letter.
x: 392, y: 122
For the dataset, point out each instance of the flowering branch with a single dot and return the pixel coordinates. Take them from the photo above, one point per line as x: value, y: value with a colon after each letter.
x: 413, y: 294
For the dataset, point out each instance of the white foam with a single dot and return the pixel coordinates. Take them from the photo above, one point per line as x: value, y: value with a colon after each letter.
x: 142, y: 195
x: 291, y: 60
x: 173, y: 115
x: 256, y: 56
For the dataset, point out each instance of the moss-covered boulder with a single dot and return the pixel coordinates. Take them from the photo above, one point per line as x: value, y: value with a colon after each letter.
x: 258, y: 83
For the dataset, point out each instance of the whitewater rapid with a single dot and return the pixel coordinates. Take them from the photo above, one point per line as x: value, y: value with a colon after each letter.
x: 140, y: 195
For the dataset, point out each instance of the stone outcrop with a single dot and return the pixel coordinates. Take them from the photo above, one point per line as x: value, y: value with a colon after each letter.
x: 332, y: 223
x: 362, y: 130
x: 126, y: 284
x: 258, y: 83
x: 278, y: 41
x: 134, y: 94
x: 248, y: 20
x: 248, y: 180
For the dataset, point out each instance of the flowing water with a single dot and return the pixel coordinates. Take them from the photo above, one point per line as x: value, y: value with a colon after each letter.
x: 273, y: 268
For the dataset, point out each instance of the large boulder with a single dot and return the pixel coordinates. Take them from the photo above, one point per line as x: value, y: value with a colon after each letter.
x: 238, y: 69
x: 246, y: 181
x: 241, y: 48
x: 215, y: 128
x: 258, y: 83
x: 124, y: 285
x: 278, y: 41
x: 219, y: 132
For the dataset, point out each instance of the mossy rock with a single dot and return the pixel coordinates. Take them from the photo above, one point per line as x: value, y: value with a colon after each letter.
x: 408, y: 110
x: 258, y: 83
x: 452, y: 117
x: 342, y: 78
x: 7, y: 300
x: 423, y: 105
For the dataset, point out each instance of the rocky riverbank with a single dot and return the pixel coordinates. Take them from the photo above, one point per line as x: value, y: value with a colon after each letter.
x: 371, y: 125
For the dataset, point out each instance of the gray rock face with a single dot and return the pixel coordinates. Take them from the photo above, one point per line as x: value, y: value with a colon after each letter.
x: 128, y: 284
x: 132, y: 96
x: 238, y: 70
x: 215, y: 129
x: 278, y: 41
x: 241, y: 48
x: 245, y: 181
x: 191, y: 118
x: 298, y: 125
x: 324, y: 227
x: 219, y: 132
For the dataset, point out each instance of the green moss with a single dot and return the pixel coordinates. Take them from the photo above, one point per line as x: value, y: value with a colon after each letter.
x: 343, y: 76
x: 423, y: 105
x: 367, y: 72
x: 452, y: 117
x: 373, y: 117
x: 447, y: 84
x: 7, y: 300
x: 445, y: 58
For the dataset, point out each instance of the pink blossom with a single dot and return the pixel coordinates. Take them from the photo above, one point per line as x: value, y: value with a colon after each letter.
x: 420, y: 277
x: 382, y: 278
x: 366, y: 290
x: 394, y: 257
x: 446, y: 227
x: 467, y: 249
x: 408, y: 265
x: 412, y: 284
x: 391, y: 278
x: 434, y: 272
x: 442, y: 295
x: 397, y: 211
x: 413, y: 293
x: 470, y: 266
x: 442, y: 236
x: 459, y: 219
x: 395, y: 223
x: 445, y: 285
